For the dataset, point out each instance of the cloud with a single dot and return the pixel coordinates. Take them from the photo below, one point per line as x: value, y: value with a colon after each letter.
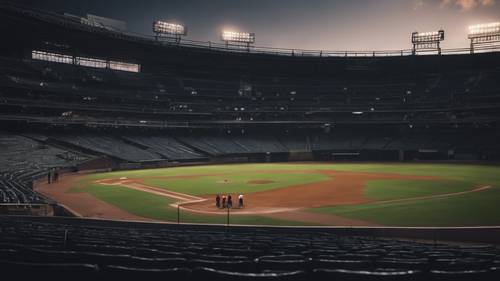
x: 418, y: 4
x: 468, y: 4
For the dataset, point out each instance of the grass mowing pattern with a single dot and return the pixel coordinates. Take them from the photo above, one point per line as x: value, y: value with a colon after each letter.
x: 156, y: 207
x: 381, y: 190
x: 237, y: 183
x: 472, y: 209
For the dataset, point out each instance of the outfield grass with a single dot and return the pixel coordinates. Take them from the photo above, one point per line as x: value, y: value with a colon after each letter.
x: 401, y: 189
x: 473, y: 209
x: 480, y: 208
x: 236, y: 183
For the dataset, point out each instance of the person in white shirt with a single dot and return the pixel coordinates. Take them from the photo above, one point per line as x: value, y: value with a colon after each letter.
x: 240, y: 201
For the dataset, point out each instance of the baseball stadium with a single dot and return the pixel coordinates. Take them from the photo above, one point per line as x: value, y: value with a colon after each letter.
x: 130, y: 153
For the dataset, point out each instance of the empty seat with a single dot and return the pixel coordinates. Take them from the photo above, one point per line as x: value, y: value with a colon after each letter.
x: 236, y: 265
x: 363, y: 275
x: 131, y: 273
x: 52, y: 270
x: 465, y: 275
x: 219, y: 275
x: 342, y: 264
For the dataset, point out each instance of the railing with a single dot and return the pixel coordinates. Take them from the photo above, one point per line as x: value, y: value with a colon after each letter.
x: 213, y: 46
x: 223, y: 47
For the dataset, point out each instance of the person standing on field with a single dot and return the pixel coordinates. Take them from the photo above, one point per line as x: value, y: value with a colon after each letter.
x: 240, y: 201
x: 217, y: 201
x: 224, y: 201
x: 229, y: 201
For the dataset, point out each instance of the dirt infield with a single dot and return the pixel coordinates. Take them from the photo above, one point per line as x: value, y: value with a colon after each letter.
x: 341, y: 188
x: 81, y: 203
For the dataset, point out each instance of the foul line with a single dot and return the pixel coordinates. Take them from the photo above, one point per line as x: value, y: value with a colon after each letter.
x: 479, y: 189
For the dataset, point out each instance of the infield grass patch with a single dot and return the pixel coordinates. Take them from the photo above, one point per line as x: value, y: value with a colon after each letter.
x: 234, y: 183
x: 157, y: 207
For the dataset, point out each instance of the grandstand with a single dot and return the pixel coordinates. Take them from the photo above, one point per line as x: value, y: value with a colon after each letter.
x: 135, y: 102
x: 114, y: 249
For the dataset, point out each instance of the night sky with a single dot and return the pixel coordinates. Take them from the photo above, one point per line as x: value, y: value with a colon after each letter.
x: 307, y: 24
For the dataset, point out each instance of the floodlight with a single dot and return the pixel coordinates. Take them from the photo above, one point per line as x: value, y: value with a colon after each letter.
x: 486, y: 29
x: 161, y: 27
x: 238, y: 37
x: 480, y: 34
x: 427, y: 37
x: 430, y: 41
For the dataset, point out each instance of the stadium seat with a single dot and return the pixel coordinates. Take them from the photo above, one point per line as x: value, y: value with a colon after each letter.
x: 54, y: 270
x: 466, y: 275
x: 212, y: 274
x: 128, y: 273
x: 363, y: 275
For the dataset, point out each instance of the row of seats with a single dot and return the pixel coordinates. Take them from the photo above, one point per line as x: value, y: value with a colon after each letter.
x: 194, y: 252
x: 144, y: 147
x: 25, y: 159
x: 150, y: 93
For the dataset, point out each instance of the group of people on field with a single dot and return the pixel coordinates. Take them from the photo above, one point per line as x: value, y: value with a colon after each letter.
x: 226, y: 201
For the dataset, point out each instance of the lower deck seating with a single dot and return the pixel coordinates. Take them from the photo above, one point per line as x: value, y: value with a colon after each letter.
x: 88, y: 248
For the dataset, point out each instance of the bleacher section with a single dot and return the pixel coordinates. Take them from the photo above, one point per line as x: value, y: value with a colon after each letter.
x: 155, y: 146
x: 295, y: 143
x: 23, y: 160
x: 15, y: 191
x: 18, y: 153
x: 110, y: 146
x: 63, y: 248
x: 260, y: 144
x: 165, y: 146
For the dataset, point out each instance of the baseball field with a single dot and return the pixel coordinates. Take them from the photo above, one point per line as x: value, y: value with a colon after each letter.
x: 291, y: 194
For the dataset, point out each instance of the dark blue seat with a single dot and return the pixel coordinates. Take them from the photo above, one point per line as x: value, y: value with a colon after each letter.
x: 53, y: 270
x: 237, y: 265
x: 342, y: 264
x: 361, y: 275
x: 128, y: 273
x: 220, y: 275
x: 465, y: 275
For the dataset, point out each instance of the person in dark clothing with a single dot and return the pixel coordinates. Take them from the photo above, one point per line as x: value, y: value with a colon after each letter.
x: 224, y: 201
x: 240, y: 201
x: 229, y: 201
x: 217, y: 201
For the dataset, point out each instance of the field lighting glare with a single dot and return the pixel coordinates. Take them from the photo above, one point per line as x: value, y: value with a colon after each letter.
x: 484, y: 34
x: 428, y: 37
x: 161, y: 27
x: 427, y: 41
x: 484, y: 29
x: 238, y: 37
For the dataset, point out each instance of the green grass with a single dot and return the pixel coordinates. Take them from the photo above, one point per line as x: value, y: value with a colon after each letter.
x: 237, y: 183
x: 156, y: 207
x: 399, y: 189
x: 473, y: 173
x: 473, y: 209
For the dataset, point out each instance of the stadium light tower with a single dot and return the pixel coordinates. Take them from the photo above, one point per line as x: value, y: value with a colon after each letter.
x: 484, y: 34
x: 169, y: 30
x: 238, y: 38
x: 427, y: 41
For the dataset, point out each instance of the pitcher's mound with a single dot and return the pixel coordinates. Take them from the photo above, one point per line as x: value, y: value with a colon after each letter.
x: 224, y: 181
x: 260, y: 182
